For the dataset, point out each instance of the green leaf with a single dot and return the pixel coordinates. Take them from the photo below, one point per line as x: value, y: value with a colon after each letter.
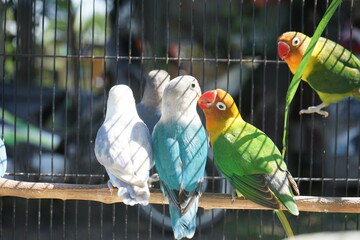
x: 294, y: 84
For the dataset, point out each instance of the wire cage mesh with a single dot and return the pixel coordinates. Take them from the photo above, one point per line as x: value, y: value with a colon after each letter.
x: 58, y: 59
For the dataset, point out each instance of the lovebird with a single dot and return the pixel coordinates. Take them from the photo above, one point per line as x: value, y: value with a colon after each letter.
x: 333, y: 71
x: 248, y: 158
x: 149, y: 108
x: 180, y: 151
x: 3, y: 158
x: 123, y: 147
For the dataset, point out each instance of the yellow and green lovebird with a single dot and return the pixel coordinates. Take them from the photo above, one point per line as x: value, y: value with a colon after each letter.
x: 333, y: 71
x: 248, y: 158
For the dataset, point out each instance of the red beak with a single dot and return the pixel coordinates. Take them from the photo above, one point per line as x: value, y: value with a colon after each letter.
x: 283, y: 50
x: 207, y: 99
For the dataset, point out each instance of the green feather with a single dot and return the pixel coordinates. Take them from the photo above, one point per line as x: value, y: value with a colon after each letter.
x: 252, y: 163
x: 285, y: 223
x: 254, y: 188
x: 335, y: 70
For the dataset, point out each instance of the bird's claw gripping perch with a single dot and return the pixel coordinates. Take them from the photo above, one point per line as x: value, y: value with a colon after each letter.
x: 233, y: 195
x: 236, y: 194
x: 110, y: 186
x: 153, y: 178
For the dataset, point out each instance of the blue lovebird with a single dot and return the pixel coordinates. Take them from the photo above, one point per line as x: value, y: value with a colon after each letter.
x: 149, y: 109
x: 3, y: 158
x: 180, y: 149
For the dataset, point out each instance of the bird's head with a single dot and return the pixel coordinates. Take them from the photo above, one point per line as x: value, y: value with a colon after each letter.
x: 120, y: 100
x: 158, y: 79
x: 180, y: 96
x: 218, y: 105
x: 155, y: 84
x: 120, y: 94
x: 291, y: 48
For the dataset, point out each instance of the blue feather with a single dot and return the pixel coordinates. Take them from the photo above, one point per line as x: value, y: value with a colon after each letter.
x: 3, y: 158
x: 184, y: 225
x: 180, y: 151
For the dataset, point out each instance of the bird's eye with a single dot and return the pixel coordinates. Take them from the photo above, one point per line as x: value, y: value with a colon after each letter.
x: 295, y: 41
x: 221, y: 106
x: 193, y: 85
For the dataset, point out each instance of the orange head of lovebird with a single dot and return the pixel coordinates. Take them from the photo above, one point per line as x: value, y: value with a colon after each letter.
x: 291, y: 48
x: 218, y: 107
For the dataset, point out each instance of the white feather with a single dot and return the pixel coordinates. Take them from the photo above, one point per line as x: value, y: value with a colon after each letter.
x: 181, y: 95
x: 123, y: 147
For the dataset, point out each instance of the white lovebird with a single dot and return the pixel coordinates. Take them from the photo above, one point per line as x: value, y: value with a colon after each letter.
x: 123, y: 147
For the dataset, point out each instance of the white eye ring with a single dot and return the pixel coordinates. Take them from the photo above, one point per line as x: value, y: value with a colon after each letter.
x: 221, y: 106
x: 295, y: 41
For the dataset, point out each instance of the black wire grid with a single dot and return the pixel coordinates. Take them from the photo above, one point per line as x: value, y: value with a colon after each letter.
x: 58, y: 59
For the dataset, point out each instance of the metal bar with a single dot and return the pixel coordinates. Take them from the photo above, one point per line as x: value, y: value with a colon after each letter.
x: 318, y: 179
x: 144, y: 58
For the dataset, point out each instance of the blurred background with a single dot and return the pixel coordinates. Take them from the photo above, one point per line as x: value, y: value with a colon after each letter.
x: 59, y: 58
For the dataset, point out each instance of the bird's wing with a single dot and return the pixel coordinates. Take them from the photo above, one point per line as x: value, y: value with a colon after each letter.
x: 247, y: 157
x: 280, y: 185
x: 141, y: 148
x: 167, y: 161
x: 334, y: 69
x: 175, y: 166
x: 193, y: 151
x: 256, y: 189
x: 113, y: 150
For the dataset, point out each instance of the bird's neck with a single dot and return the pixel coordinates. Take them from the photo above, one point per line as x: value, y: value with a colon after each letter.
x: 178, y: 109
x: 293, y: 62
x: 215, y: 128
x: 174, y: 114
x: 152, y: 99
x: 120, y: 110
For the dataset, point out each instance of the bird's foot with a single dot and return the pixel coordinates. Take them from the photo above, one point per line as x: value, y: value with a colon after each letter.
x: 236, y: 194
x: 233, y: 195
x: 153, y: 178
x: 315, y: 109
x: 110, y: 186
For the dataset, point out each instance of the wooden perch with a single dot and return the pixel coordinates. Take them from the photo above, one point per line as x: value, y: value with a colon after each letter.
x: 101, y: 193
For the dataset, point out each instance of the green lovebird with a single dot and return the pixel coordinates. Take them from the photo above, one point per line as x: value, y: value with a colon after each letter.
x: 333, y: 71
x: 248, y: 158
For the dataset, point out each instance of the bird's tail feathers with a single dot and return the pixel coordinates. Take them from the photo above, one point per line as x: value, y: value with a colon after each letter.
x: 183, y: 225
x: 131, y: 194
x: 285, y: 223
x: 291, y: 206
x: 135, y: 195
x: 141, y: 195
